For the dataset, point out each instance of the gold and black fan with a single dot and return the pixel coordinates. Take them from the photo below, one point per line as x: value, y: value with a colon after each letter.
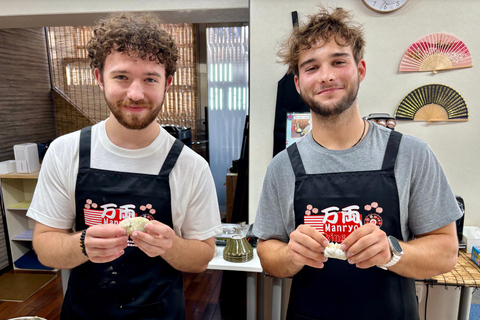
x: 432, y: 102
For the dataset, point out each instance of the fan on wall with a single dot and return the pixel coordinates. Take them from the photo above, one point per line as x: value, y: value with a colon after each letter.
x: 434, y: 52
x: 432, y: 102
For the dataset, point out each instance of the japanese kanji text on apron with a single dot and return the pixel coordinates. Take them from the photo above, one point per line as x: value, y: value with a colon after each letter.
x: 133, y: 286
x: 341, y: 291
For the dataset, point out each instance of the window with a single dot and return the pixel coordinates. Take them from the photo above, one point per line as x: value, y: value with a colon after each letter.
x: 78, y: 99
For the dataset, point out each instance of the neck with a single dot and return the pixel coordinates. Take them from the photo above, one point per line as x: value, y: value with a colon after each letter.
x: 130, y: 139
x: 340, y: 133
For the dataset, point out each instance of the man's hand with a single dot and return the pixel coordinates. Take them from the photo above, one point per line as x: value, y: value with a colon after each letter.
x: 105, y: 242
x: 187, y: 255
x: 156, y: 240
x: 306, y: 247
x: 367, y: 246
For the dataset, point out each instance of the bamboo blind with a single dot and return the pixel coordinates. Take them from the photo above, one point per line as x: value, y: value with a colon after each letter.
x: 78, y: 98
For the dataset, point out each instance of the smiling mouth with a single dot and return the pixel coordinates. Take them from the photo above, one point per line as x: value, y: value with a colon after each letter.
x: 135, y: 108
x: 329, y: 90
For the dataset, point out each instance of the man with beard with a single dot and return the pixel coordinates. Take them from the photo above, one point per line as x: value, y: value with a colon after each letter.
x: 126, y: 166
x: 375, y: 199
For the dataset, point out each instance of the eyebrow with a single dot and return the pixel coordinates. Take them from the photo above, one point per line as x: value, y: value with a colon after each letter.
x: 333, y: 55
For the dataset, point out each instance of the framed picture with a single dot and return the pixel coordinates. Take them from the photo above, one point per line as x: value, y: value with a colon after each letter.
x: 298, y: 125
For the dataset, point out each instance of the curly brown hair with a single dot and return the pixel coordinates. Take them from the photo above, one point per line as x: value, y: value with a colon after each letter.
x: 138, y: 34
x: 323, y: 26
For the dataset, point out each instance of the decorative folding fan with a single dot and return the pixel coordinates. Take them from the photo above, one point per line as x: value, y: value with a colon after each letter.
x: 434, y: 52
x: 432, y: 102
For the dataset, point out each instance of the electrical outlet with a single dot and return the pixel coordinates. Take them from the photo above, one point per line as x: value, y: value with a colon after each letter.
x: 419, y: 287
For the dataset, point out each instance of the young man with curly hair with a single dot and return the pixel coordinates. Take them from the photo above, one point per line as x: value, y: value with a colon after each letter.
x: 126, y: 166
x: 351, y: 190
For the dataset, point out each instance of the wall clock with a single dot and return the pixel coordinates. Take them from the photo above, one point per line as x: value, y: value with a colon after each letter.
x: 384, y: 6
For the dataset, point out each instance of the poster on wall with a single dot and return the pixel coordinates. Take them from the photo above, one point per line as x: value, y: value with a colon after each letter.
x: 298, y: 125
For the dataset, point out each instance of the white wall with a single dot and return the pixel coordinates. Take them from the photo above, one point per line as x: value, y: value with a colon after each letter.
x: 39, y: 13
x: 388, y: 36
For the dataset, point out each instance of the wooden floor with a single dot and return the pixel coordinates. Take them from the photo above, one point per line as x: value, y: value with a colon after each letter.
x: 202, y: 300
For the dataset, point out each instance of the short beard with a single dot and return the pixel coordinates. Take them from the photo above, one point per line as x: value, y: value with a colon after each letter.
x: 331, y: 112
x: 132, y: 121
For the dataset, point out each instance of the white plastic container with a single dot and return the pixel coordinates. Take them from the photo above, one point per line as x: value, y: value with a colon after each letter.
x: 471, y: 237
x: 7, y: 167
x: 26, y: 155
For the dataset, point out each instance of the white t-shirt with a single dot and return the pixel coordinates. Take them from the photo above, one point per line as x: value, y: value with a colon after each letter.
x: 195, y: 211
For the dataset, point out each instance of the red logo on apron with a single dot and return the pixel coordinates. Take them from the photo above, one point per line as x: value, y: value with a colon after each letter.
x: 110, y: 213
x: 334, y: 224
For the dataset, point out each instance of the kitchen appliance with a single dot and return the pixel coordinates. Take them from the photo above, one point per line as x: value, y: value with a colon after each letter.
x: 383, y: 119
x: 459, y: 222
x: 184, y: 134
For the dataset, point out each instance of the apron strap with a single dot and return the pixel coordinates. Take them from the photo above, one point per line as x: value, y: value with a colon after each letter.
x: 391, y: 151
x: 171, y: 158
x: 296, y: 160
x: 84, y: 151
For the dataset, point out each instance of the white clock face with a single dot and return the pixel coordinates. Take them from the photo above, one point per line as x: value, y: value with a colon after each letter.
x: 384, y: 5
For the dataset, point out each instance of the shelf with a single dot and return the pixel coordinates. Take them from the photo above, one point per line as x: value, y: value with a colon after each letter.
x: 18, y: 175
x: 24, y: 236
x: 30, y: 261
x: 23, y: 205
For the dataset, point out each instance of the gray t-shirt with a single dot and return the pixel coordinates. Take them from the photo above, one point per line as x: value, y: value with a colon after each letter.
x: 426, y: 200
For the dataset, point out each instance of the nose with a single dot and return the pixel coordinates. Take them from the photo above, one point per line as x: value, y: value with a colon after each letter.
x: 327, y: 75
x: 135, y: 91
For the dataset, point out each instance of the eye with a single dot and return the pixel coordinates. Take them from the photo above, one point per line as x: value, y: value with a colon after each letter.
x: 310, y: 69
x: 121, y: 77
x: 338, y: 62
x: 150, y: 80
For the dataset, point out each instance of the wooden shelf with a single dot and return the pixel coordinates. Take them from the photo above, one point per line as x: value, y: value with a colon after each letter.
x: 17, y: 175
x: 29, y: 261
x: 17, y: 193
x: 23, y: 205
x: 27, y: 235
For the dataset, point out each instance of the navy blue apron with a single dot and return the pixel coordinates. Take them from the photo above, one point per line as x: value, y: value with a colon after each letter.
x: 340, y: 290
x: 133, y: 286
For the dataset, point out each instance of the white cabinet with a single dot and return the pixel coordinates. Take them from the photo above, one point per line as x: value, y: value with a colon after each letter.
x: 17, y: 192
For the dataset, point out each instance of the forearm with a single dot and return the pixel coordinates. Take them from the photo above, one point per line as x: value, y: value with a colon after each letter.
x: 273, y: 255
x: 59, y: 250
x: 190, y: 255
x: 428, y: 256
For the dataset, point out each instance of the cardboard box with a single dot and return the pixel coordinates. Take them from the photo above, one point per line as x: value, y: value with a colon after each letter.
x: 476, y: 255
x: 471, y: 237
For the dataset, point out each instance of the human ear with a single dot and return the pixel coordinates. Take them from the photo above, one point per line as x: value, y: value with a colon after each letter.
x: 168, y: 82
x: 98, y: 77
x: 297, y: 84
x: 362, y: 70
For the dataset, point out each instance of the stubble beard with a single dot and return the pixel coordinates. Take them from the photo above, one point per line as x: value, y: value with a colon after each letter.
x: 327, y: 111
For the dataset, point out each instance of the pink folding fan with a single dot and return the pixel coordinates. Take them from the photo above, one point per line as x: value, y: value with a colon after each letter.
x: 434, y: 52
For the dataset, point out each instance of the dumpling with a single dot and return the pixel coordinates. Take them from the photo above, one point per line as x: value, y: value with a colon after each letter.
x: 333, y: 251
x: 134, y: 224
